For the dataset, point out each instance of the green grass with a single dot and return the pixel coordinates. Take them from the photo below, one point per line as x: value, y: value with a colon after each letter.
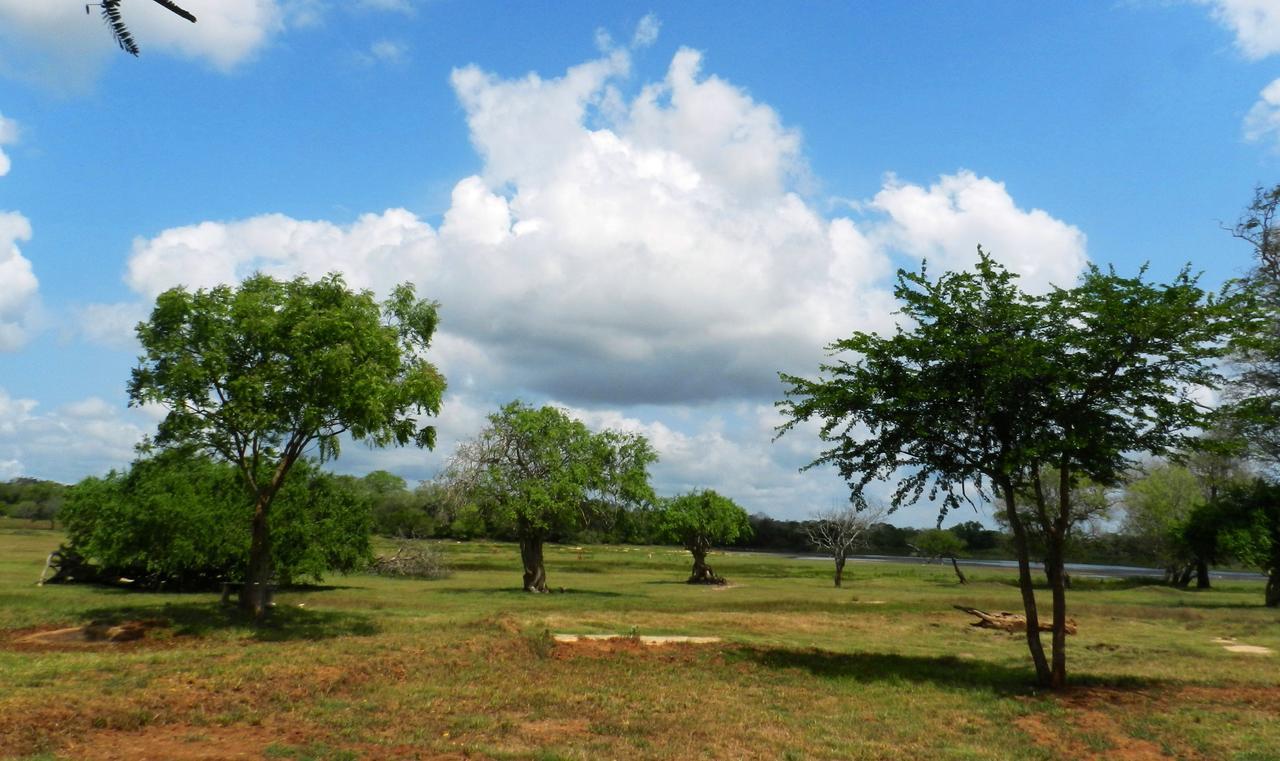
x: 367, y: 667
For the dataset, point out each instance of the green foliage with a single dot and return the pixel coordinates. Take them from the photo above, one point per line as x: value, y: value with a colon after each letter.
x: 699, y: 520
x: 31, y: 498
x: 1158, y: 507
x: 540, y: 472
x: 1243, y: 523
x: 991, y: 383
x: 183, y: 520
x: 988, y: 385
x: 939, y: 543
x: 259, y: 374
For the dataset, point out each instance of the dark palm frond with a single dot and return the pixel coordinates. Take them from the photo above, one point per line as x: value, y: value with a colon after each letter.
x: 181, y: 12
x: 124, y: 38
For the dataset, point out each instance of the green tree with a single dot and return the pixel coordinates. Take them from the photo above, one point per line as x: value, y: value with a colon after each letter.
x: 699, y: 520
x: 989, y: 384
x: 262, y: 374
x: 940, y: 543
x: 1158, y: 505
x: 543, y: 473
x: 181, y: 520
x: 1247, y: 522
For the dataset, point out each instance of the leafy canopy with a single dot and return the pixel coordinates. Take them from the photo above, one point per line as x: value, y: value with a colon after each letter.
x: 259, y: 373
x: 543, y: 472
x: 987, y: 383
x: 699, y: 520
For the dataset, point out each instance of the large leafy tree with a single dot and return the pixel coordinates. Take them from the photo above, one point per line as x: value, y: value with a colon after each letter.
x: 266, y: 373
x: 543, y: 473
x: 985, y: 385
x: 700, y: 520
x: 181, y: 520
x: 1244, y: 523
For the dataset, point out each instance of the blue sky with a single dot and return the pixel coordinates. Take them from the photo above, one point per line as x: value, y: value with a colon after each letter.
x: 641, y: 212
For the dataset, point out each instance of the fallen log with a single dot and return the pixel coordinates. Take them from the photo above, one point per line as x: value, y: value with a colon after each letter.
x: 1009, y: 622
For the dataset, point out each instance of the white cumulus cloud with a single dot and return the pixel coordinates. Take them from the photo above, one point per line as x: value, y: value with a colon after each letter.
x: 945, y: 222
x: 18, y: 283
x: 1255, y: 23
x: 1263, y: 120
x: 56, y: 43
x: 646, y: 253
x: 63, y: 444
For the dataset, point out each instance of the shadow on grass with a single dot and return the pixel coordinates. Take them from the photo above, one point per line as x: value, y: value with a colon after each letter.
x: 944, y: 670
x: 281, y: 624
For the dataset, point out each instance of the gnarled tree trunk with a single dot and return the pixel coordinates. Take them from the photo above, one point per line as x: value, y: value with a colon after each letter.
x: 702, y: 573
x: 535, y: 574
x: 1202, y: 574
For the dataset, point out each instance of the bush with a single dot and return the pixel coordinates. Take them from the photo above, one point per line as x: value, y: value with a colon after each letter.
x: 184, y: 520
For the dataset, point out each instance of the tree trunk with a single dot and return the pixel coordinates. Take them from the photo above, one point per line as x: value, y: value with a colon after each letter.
x: 1058, y: 587
x: 1202, y: 574
x: 1273, y: 588
x: 1184, y: 578
x: 959, y: 574
x: 702, y: 573
x: 255, y: 594
x: 535, y: 574
x: 839, y: 569
x: 1026, y: 585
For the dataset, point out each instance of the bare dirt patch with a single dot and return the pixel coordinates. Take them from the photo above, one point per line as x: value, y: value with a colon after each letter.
x: 177, y: 743
x: 1231, y: 646
x: 96, y: 634
x: 644, y: 639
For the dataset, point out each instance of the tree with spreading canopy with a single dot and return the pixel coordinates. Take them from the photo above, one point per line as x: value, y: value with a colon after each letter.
x: 839, y: 531
x: 986, y: 384
x: 542, y: 473
x: 700, y: 520
x: 263, y: 374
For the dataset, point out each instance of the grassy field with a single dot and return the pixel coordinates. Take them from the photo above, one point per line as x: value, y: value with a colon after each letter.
x: 465, y: 667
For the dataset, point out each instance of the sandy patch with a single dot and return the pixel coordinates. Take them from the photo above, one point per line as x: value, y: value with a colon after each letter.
x: 644, y: 639
x: 1232, y: 646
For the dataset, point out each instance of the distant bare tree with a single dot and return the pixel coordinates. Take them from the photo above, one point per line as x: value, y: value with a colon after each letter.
x: 839, y: 531
x: 115, y: 22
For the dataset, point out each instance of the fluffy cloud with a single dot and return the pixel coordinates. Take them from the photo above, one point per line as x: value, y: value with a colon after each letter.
x: 1263, y: 120
x: 643, y: 259
x: 57, y: 44
x: 944, y: 222
x: 8, y: 136
x: 18, y: 284
x: 63, y: 444
x: 1255, y: 23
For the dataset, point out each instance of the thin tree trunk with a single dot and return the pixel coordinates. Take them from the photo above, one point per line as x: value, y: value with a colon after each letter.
x: 535, y: 573
x: 839, y: 569
x: 1202, y: 574
x: 1058, y: 588
x: 1026, y: 585
x: 959, y: 574
x: 255, y: 592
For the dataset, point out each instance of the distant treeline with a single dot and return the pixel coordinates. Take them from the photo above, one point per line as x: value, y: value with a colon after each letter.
x: 427, y: 512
